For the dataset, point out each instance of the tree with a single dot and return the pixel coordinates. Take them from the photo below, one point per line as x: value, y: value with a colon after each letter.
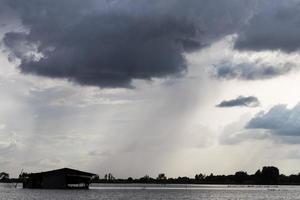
x: 257, y: 177
x: 109, y: 177
x: 199, y: 177
x: 95, y: 178
x: 240, y: 177
x: 145, y: 179
x: 4, y: 176
x: 161, y: 177
x: 270, y: 175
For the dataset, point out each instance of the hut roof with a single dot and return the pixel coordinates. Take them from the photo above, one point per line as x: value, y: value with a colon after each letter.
x: 68, y: 171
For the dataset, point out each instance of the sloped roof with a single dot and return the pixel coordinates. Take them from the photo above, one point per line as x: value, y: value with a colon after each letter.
x: 68, y: 171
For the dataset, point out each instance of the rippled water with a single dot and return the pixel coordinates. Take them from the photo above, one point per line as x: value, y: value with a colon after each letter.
x: 155, y: 192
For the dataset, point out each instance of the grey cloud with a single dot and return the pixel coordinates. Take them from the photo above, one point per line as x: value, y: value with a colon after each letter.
x: 110, y: 43
x: 275, y: 26
x: 279, y: 120
x: 251, y: 71
x: 235, y: 133
x: 241, y: 101
x: 240, y: 136
x: 279, y: 125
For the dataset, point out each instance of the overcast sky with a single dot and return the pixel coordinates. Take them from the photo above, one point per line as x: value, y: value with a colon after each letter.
x: 137, y: 87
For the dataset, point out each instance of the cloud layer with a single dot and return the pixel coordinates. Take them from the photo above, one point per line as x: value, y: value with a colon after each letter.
x: 252, y: 71
x: 279, y: 120
x: 275, y: 26
x: 110, y: 43
x: 241, y: 101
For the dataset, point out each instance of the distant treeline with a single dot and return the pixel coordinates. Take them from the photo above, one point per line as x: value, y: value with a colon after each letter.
x: 267, y: 176
x: 4, y: 178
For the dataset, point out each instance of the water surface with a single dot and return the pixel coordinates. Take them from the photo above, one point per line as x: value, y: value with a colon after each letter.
x: 154, y: 192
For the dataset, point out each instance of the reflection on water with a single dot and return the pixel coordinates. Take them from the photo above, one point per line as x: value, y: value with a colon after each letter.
x: 149, y: 192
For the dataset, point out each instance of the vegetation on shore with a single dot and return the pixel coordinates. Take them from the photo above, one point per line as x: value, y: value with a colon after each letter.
x: 269, y: 175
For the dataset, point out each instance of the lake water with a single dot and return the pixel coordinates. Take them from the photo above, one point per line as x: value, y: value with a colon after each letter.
x: 154, y: 192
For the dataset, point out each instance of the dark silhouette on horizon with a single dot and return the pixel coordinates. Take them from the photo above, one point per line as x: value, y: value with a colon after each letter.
x: 268, y: 175
x: 64, y: 178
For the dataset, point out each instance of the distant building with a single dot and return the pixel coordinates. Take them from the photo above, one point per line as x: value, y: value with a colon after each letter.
x: 64, y: 178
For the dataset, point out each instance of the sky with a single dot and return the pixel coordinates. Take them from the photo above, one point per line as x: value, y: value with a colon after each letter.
x: 145, y: 87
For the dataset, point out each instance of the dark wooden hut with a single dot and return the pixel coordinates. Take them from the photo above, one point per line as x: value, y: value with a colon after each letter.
x: 64, y: 178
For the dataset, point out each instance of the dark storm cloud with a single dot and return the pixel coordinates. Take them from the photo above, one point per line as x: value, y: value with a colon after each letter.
x: 275, y: 26
x: 240, y: 101
x: 110, y: 43
x: 251, y: 71
x: 278, y: 120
